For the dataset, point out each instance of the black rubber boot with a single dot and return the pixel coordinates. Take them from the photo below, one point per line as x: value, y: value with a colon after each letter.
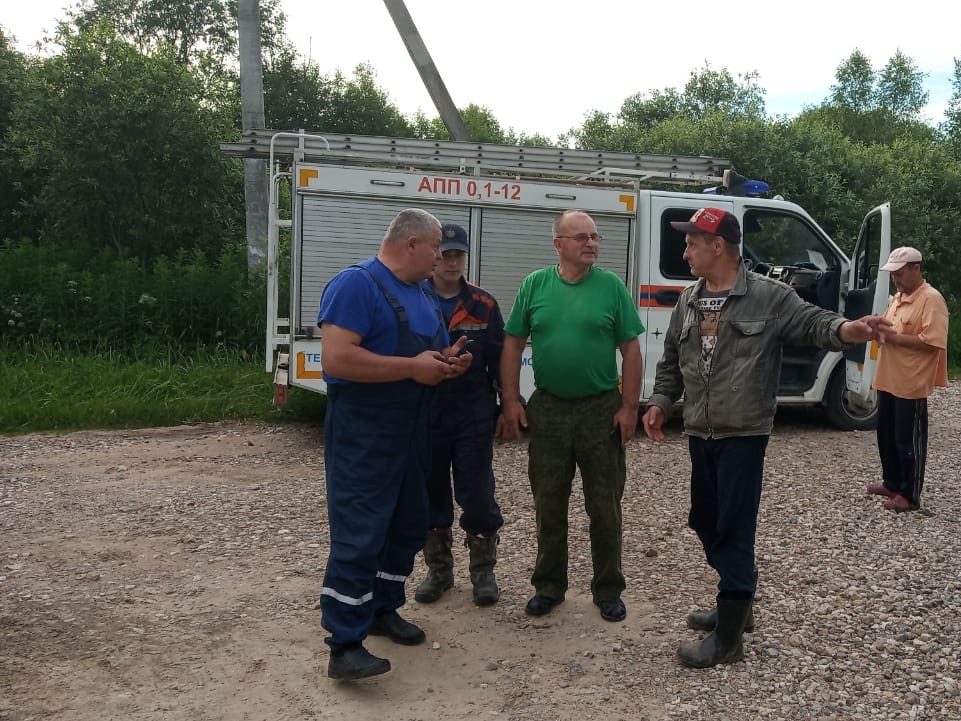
x: 355, y: 662
x: 440, y: 565
x: 724, y: 644
x: 707, y: 620
x: 483, y: 558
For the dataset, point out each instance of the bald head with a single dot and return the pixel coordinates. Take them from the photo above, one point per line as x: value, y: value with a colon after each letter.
x: 560, y: 220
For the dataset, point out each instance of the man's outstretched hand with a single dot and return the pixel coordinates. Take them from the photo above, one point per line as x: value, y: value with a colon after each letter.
x: 869, y: 327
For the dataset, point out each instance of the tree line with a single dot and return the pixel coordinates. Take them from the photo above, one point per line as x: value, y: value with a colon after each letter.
x: 113, y: 189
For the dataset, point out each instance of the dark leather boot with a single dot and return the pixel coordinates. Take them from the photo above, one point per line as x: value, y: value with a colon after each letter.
x: 707, y: 620
x: 483, y: 558
x: 724, y: 644
x: 397, y: 629
x: 355, y: 662
x: 440, y: 565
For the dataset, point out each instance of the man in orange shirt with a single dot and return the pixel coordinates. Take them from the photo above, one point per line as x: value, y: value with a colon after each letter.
x: 912, y: 362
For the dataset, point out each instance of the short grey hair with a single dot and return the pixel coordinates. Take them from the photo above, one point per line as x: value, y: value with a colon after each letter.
x: 562, y: 216
x: 411, y: 221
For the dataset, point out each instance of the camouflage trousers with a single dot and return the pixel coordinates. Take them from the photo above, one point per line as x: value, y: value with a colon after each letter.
x: 565, y: 434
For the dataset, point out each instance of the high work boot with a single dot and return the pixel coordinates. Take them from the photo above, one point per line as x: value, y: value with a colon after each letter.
x: 440, y: 564
x: 724, y: 644
x: 707, y: 620
x: 483, y: 558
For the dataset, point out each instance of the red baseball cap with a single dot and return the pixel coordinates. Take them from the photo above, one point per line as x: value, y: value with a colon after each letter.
x: 712, y: 221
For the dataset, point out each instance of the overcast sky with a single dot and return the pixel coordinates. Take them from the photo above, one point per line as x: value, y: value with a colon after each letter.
x: 540, y: 66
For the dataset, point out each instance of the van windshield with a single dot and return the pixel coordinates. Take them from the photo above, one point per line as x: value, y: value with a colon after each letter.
x: 778, y: 239
x: 772, y: 239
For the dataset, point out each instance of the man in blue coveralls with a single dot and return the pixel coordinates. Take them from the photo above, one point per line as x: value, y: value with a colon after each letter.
x: 385, y: 346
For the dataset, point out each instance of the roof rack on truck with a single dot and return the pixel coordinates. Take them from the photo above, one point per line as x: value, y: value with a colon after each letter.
x: 477, y: 158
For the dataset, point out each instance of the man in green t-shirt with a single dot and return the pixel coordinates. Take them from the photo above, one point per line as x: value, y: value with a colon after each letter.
x: 577, y: 317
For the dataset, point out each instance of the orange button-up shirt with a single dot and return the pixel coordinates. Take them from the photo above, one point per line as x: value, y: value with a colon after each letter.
x: 909, y: 372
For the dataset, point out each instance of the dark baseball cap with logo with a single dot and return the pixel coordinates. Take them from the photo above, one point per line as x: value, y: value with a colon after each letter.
x: 712, y: 221
x: 453, y: 237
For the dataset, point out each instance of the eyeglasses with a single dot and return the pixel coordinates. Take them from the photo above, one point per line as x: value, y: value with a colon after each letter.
x: 583, y: 237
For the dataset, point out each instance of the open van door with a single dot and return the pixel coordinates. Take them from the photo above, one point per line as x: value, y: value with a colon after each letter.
x: 868, y: 294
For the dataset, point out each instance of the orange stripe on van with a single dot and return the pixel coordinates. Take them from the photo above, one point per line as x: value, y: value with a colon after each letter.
x: 303, y: 373
x: 657, y: 296
x: 305, y: 176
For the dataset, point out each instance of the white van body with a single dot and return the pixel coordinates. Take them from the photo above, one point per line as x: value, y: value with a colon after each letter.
x: 341, y: 207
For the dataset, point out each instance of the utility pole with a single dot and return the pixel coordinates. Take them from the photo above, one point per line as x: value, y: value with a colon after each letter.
x: 252, y: 116
x: 428, y: 71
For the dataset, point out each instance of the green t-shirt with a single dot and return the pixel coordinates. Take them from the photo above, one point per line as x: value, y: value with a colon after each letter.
x: 575, y: 329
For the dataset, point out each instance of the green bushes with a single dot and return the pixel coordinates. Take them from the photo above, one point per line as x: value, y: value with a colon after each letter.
x: 89, y: 303
x: 954, y: 345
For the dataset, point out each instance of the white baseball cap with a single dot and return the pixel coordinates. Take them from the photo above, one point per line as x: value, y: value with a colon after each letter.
x: 900, y: 257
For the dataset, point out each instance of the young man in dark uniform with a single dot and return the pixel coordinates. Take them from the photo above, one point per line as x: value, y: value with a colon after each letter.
x: 462, y: 432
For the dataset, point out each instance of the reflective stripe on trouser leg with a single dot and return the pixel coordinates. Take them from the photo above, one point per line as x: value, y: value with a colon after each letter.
x: 408, y: 528
x: 375, y: 457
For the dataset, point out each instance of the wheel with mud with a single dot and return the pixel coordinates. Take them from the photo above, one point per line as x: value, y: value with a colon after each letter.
x: 842, y: 412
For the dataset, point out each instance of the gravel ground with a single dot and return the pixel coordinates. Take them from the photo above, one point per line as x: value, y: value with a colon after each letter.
x: 173, y: 574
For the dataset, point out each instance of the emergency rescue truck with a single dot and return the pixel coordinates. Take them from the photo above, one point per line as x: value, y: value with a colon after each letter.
x: 345, y: 189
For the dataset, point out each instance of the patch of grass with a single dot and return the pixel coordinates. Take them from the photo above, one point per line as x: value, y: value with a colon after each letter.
x: 48, y: 387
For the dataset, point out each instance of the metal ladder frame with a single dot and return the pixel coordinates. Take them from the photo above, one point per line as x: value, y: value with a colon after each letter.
x: 478, y: 158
